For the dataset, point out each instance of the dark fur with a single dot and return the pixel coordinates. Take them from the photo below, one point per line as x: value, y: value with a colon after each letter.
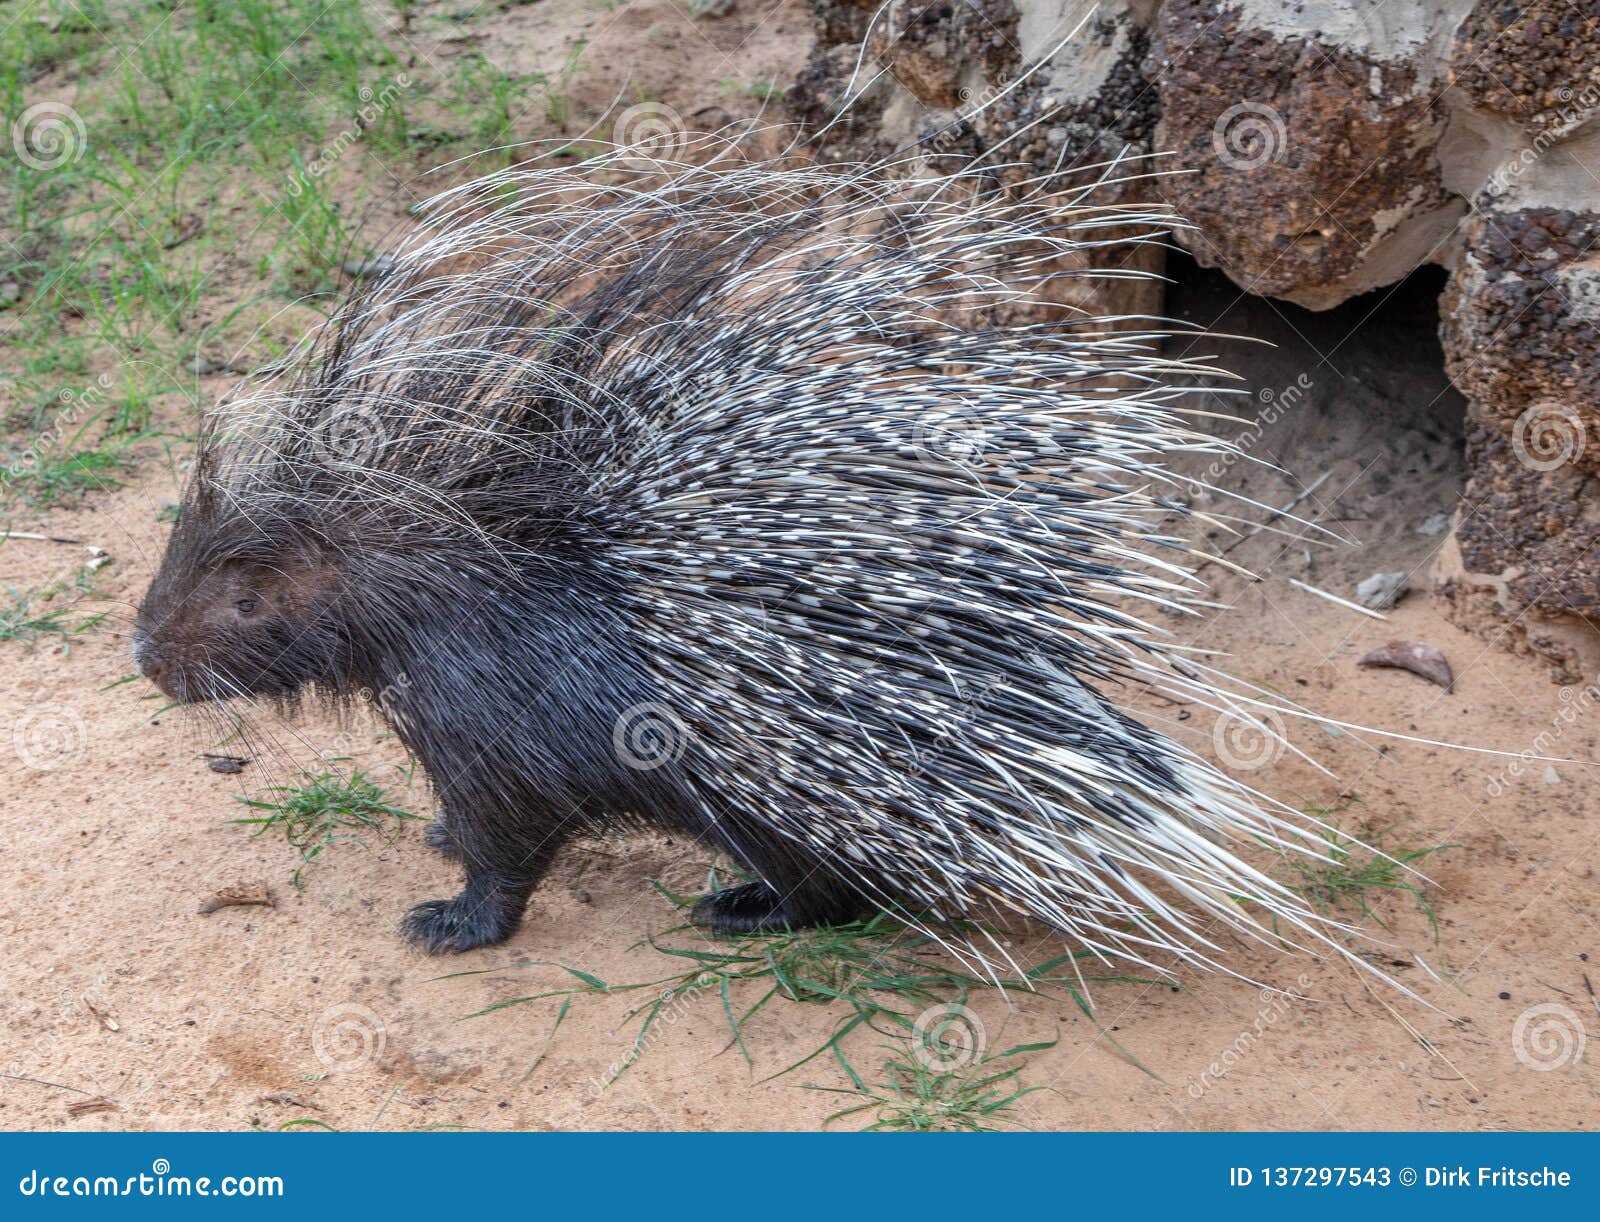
x: 506, y: 680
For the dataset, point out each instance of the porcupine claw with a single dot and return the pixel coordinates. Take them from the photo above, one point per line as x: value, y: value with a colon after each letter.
x: 458, y: 924
x: 747, y: 908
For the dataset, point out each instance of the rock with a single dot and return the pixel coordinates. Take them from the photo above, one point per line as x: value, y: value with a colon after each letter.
x: 1322, y: 149
x: 1382, y: 590
x: 951, y: 80
x: 1299, y: 188
x: 1435, y: 524
x: 1551, y: 776
x: 367, y: 269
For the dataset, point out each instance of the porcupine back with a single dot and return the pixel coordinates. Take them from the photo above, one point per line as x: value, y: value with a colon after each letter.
x: 876, y: 539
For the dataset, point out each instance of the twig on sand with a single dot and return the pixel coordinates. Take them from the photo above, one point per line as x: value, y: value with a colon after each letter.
x: 1278, y: 513
x: 1334, y: 598
x: 12, y: 1077
x: 23, y: 534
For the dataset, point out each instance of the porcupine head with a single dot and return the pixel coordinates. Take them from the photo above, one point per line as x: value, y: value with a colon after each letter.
x: 739, y: 504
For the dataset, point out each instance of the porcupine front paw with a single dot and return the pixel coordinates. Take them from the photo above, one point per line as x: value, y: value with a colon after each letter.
x: 463, y: 923
x: 438, y: 837
x: 747, y: 908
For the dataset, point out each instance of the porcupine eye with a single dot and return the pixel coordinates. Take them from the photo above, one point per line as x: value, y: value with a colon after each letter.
x: 246, y: 606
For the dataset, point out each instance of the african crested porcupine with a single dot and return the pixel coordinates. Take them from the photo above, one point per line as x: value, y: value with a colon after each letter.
x: 769, y: 504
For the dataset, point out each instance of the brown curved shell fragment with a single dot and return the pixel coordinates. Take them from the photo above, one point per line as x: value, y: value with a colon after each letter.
x: 1419, y: 659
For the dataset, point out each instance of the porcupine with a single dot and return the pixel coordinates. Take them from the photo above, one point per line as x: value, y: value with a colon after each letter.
x: 751, y: 501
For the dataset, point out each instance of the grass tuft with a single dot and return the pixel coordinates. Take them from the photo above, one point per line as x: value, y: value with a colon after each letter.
x: 920, y: 1095
x: 876, y: 974
x: 1355, y: 870
x: 326, y: 810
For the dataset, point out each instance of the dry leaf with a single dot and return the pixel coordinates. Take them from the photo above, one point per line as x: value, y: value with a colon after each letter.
x: 240, y: 895
x: 1419, y: 659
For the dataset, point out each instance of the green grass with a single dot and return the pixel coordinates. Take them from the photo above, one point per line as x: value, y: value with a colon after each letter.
x: 872, y: 976
x: 21, y: 618
x: 228, y: 157
x: 325, y: 810
x: 1361, y: 868
x: 918, y: 1096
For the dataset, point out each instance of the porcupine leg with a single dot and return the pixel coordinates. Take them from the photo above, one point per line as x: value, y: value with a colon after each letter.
x: 438, y: 837
x: 757, y: 907
x: 500, y: 877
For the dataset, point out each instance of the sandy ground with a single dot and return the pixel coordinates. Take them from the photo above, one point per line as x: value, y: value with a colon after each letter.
x: 115, y: 988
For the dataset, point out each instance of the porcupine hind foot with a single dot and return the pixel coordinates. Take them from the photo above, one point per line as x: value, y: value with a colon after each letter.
x: 757, y: 908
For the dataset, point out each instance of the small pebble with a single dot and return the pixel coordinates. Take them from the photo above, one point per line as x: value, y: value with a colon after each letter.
x: 1382, y: 590
x: 1505, y: 997
x: 1434, y: 524
x: 361, y: 269
x: 1551, y: 776
x: 581, y: 896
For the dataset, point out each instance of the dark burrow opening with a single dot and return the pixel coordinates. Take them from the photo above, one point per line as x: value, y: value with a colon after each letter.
x: 1346, y: 413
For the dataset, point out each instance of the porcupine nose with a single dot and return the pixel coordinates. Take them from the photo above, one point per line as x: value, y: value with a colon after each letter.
x: 147, y: 657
